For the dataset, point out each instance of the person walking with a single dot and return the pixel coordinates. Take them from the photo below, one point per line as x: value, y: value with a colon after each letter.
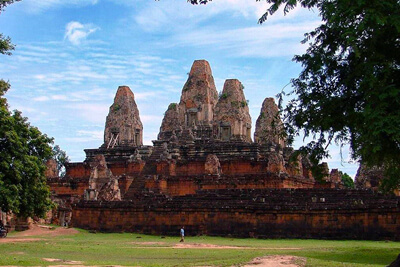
x: 182, y: 234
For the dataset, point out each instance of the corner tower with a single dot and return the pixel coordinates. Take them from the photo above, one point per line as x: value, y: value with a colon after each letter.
x: 269, y: 126
x: 195, y: 111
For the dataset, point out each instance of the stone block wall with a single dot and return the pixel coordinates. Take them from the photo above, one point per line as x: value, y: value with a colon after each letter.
x: 77, y: 170
x: 69, y: 186
x: 331, y: 214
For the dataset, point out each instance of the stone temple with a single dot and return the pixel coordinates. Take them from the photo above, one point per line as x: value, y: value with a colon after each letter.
x: 207, y: 172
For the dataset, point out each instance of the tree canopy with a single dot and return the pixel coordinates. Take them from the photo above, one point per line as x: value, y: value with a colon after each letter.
x: 349, y: 89
x: 347, y: 181
x: 60, y: 156
x: 23, y: 152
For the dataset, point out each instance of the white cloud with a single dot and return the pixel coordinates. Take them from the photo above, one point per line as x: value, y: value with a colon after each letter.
x: 32, y: 6
x: 180, y: 14
x: 259, y: 41
x: 95, y: 113
x: 76, y: 32
x: 94, y: 135
x: 150, y: 118
x: 41, y: 98
x: 145, y: 95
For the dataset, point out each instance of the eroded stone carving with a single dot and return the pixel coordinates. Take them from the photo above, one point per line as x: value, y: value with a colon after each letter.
x: 102, y: 183
x: 110, y: 191
x: 212, y: 165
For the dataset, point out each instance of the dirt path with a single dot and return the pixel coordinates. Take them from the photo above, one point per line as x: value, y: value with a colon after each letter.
x: 277, y: 261
x: 208, y: 246
x: 36, y: 233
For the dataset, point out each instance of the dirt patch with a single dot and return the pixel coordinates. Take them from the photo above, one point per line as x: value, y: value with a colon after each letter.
x: 28, y: 235
x: 40, y: 230
x: 277, y: 261
x: 208, y: 246
x: 147, y: 243
x: 62, y: 261
x: 199, y: 245
x: 18, y: 239
x: 17, y: 253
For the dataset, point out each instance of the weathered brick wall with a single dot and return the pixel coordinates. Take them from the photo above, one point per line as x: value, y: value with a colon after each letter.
x: 333, y: 224
x: 327, y: 213
x: 68, y: 186
x: 185, y: 185
x: 131, y: 168
x: 77, y: 170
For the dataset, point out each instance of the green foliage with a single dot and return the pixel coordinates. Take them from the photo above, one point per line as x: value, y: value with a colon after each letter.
x: 5, y: 45
x: 60, y: 156
x: 116, y: 107
x: 223, y: 95
x: 235, y: 104
x: 349, y: 89
x: 5, y: 42
x: 4, y: 3
x: 172, y: 106
x: 23, y: 152
x: 347, y: 181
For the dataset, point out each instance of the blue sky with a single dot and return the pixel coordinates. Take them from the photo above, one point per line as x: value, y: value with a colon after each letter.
x: 71, y: 56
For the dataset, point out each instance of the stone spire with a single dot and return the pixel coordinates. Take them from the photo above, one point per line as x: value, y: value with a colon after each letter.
x: 199, y: 95
x: 195, y: 110
x: 269, y: 125
x: 123, y: 125
x: 231, y: 116
x: 171, y: 122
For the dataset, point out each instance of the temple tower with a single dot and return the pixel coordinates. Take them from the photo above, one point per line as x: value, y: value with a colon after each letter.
x: 269, y: 126
x: 232, y: 119
x: 195, y: 111
x: 123, y: 125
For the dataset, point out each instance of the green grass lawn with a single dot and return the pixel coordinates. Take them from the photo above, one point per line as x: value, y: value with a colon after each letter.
x: 145, y: 250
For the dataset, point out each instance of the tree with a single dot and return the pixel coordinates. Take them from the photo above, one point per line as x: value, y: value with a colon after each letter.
x: 347, y: 181
x: 349, y: 89
x: 5, y: 42
x: 60, y: 156
x: 23, y: 152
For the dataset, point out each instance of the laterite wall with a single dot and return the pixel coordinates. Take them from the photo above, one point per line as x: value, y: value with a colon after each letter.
x: 331, y: 224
